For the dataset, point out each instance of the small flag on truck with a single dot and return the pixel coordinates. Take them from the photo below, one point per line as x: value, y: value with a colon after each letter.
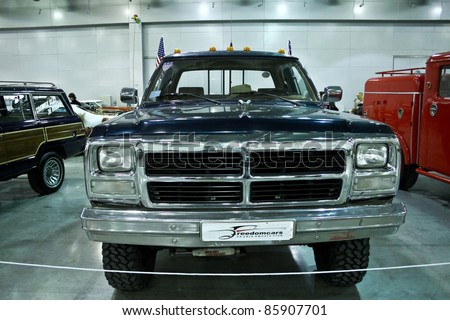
x: 160, y: 55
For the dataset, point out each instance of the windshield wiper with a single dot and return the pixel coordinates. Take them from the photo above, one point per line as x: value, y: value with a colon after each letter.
x: 275, y: 96
x: 190, y: 95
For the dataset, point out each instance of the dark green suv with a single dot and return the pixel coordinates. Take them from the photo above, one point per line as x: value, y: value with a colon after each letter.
x: 38, y: 129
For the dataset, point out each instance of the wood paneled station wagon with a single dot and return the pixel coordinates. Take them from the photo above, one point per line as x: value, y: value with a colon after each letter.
x: 38, y: 129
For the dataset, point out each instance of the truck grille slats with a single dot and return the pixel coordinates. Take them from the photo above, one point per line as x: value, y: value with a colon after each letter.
x: 193, y: 163
x: 195, y: 192
x: 267, y: 163
x: 234, y: 177
x: 296, y: 190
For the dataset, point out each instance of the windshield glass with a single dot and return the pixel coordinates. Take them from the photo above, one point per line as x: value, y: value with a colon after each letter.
x: 231, y: 78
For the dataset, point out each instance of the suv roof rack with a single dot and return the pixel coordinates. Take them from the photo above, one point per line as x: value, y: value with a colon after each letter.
x: 28, y: 83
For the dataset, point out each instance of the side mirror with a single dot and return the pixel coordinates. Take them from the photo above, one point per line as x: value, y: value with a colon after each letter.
x: 129, y: 95
x: 332, y: 94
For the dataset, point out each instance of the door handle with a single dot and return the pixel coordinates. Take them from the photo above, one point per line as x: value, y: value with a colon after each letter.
x: 433, y: 110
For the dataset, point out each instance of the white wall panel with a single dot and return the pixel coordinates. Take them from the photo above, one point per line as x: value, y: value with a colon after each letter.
x: 77, y: 62
x: 275, y: 40
x: 9, y: 47
x: 441, y: 41
x: 38, y: 46
x: 329, y: 40
x: 445, y: 13
x: 334, y: 58
x: 106, y: 60
x: 38, y: 63
x: 373, y: 40
x: 113, y: 39
x: 77, y: 44
x: 413, y: 40
x: 10, y: 66
x: 90, y: 61
x: 378, y: 59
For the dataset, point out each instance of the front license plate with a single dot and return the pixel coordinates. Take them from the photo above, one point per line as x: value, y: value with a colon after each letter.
x: 247, y: 231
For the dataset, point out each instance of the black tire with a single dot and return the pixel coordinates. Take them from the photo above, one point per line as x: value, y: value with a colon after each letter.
x: 408, y: 177
x: 48, y: 176
x: 126, y: 257
x: 342, y: 255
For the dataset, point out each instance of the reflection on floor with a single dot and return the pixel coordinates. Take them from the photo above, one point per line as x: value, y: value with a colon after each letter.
x: 45, y: 230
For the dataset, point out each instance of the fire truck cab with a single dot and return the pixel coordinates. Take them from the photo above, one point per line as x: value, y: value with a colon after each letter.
x: 416, y: 104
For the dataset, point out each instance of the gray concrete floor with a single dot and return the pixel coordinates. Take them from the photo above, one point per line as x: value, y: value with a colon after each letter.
x: 45, y: 230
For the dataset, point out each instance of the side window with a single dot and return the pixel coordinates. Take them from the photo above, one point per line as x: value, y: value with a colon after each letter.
x: 297, y: 83
x: 15, y: 108
x: 444, y: 82
x: 49, y: 106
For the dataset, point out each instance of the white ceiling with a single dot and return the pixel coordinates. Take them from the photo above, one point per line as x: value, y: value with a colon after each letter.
x: 83, y: 4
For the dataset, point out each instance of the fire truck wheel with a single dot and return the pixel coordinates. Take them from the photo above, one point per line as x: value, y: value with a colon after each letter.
x: 342, y: 255
x: 408, y: 177
x: 125, y: 257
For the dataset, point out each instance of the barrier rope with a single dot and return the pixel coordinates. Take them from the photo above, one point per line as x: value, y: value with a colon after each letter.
x: 224, y: 274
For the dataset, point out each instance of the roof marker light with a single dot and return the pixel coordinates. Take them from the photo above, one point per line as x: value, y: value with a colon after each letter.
x: 212, y: 49
x: 281, y: 51
x: 230, y: 48
x: 247, y: 49
x: 177, y: 50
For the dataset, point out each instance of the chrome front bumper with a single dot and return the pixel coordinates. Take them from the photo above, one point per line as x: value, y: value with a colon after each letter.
x: 182, y: 228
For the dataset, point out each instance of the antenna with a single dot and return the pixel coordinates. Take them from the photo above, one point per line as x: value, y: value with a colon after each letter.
x: 231, y: 25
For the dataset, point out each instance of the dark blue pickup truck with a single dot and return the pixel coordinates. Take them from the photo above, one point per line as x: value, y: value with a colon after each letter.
x: 233, y: 149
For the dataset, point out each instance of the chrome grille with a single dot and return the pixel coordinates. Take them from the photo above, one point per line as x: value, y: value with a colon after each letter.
x: 295, y: 190
x: 193, y: 163
x: 275, y: 162
x: 244, y: 177
x: 195, y: 192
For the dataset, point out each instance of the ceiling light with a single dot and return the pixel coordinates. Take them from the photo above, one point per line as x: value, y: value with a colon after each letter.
x: 437, y: 10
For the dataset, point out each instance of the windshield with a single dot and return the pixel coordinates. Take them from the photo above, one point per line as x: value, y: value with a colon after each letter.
x: 230, y: 78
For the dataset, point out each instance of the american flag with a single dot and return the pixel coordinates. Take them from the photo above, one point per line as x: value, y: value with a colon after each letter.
x: 290, y: 47
x: 161, y: 53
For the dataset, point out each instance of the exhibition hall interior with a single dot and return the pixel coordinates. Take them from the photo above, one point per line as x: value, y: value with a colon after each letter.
x: 224, y: 150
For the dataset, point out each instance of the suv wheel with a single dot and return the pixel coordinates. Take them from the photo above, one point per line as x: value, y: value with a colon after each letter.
x: 342, y: 255
x: 49, y: 174
x: 124, y: 257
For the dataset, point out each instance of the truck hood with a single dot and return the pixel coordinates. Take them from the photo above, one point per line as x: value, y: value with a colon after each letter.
x: 184, y: 118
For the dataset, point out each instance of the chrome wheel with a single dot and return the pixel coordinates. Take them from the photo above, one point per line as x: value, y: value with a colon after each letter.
x: 52, y: 172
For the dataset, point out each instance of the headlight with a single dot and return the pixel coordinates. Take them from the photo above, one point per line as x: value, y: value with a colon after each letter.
x: 117, y: 159
x: 371, y: 155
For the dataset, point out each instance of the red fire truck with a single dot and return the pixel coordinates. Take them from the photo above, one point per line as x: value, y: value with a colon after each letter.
x: 416, y: 104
